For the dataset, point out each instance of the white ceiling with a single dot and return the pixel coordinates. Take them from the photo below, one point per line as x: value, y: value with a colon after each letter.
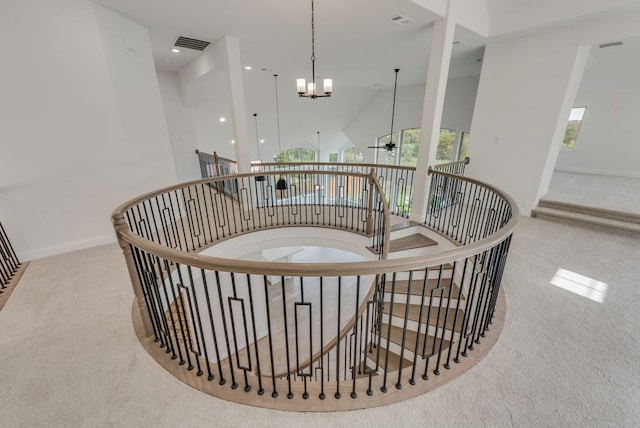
x: 356, y: 41
x: 357, y: 45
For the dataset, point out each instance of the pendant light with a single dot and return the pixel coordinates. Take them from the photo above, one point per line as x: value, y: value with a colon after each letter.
x: 258, y: 168
x: 281, y: 184
x: 309, y: 89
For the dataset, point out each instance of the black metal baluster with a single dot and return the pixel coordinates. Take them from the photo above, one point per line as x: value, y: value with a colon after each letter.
x: 390, y: 321
x: 356, y: 354
x: 234, y: 385
x: 286, y: 338
x: 255, y: 335
x: 274, y: 393
x: 425, y: 283
x: 322, y: 395
x: 446, y: 317
x: 404, y: 329
x: 447, y: 364
x: 230, y: 300
x: 337, y: 393
x: 182, y: 317
x: 168, y: 300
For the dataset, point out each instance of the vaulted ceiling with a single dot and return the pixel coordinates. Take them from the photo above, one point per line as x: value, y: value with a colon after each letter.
x: 357, y: 44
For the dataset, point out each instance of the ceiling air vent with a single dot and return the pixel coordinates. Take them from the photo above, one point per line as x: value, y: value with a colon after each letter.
x: 608, y: 45
x: 186, y: 42
x: 401, y: 19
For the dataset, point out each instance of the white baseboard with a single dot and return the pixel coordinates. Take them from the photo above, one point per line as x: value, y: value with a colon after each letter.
x: 613, y: 173
x: 66, y: 247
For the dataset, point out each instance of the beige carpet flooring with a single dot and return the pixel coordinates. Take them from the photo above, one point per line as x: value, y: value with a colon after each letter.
x: 69, y: 356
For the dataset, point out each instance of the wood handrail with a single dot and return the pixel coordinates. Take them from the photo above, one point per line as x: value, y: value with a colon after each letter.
x: 366, y: 165
x: 313, y: 269
x: 465, y: 161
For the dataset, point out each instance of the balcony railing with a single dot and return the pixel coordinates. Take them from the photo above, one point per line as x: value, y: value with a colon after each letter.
x: 396, y: 181
x: 329, y: 335
x: 455, y: 167
x: 9, y: 263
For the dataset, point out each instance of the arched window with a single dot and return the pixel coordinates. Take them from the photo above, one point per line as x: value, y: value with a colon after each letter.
x: 352, y: 155
x: 405, y: 152
x: 297, y: 154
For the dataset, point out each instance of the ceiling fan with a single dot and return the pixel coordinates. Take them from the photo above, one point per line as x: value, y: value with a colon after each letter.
x: 390, y: 145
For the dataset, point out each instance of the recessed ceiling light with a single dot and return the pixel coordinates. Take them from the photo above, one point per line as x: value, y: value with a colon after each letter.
x: 401, y: 20
x: 262, y: 141
x: 248, y: 67
x: 223, y: 119
x: 175, y: 50
x: 233, y: 141
x: 608, y: 45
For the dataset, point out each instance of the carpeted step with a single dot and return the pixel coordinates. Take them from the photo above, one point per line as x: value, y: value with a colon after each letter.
x: 586, y: 220
x: 627, y: 217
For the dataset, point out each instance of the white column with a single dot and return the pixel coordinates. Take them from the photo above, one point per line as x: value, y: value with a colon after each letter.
x: 231, y: 50
x: 437, y: 75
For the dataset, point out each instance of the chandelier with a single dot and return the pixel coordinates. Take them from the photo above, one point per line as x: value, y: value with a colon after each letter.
x: 309, y: 90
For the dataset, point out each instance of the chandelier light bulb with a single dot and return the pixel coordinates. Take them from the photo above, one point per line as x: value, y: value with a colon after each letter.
x: 302, y: 85
x: 328, y: 86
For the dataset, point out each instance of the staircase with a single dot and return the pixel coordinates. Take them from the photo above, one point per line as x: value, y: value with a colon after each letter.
x: 598, y: 218
x: 430, y: 309
x: 416, y: 309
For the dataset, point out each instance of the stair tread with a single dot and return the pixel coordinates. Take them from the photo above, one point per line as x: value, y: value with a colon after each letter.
x: 414, y: 314
x: 391, y: 359
x: 586, y: 219
x: 410, y: 338
x: 411, y: 242
x: 403, y: 225
x: 402, y: 287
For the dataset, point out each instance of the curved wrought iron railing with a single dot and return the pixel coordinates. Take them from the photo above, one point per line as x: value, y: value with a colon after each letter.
x: 311, y: 330
x: 9, y: 263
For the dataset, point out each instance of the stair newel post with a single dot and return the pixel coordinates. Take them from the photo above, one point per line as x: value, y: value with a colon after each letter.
x: 120, y: 225
x: 216, y: 163
x: 372, y: 175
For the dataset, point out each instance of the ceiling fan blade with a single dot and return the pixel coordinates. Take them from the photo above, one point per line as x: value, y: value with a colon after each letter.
x: 376, y: 147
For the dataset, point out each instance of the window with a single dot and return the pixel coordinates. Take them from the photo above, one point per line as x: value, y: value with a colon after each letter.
x: 352, y: 155
x: 464, y: 146
x: 333, y: 157
x: 446, y: 145
x: 297, y: 154
x: 573, y: 128
x: 385, y: 157
x: 409, y: 144
x: 408, y: 148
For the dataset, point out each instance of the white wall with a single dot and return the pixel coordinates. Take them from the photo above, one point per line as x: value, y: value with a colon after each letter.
x: 527, y: 87
x: 520, y: 99
x: 375, y: 119
x: 607, y: 143
x: 184, y: 140
x: 82, y: 124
